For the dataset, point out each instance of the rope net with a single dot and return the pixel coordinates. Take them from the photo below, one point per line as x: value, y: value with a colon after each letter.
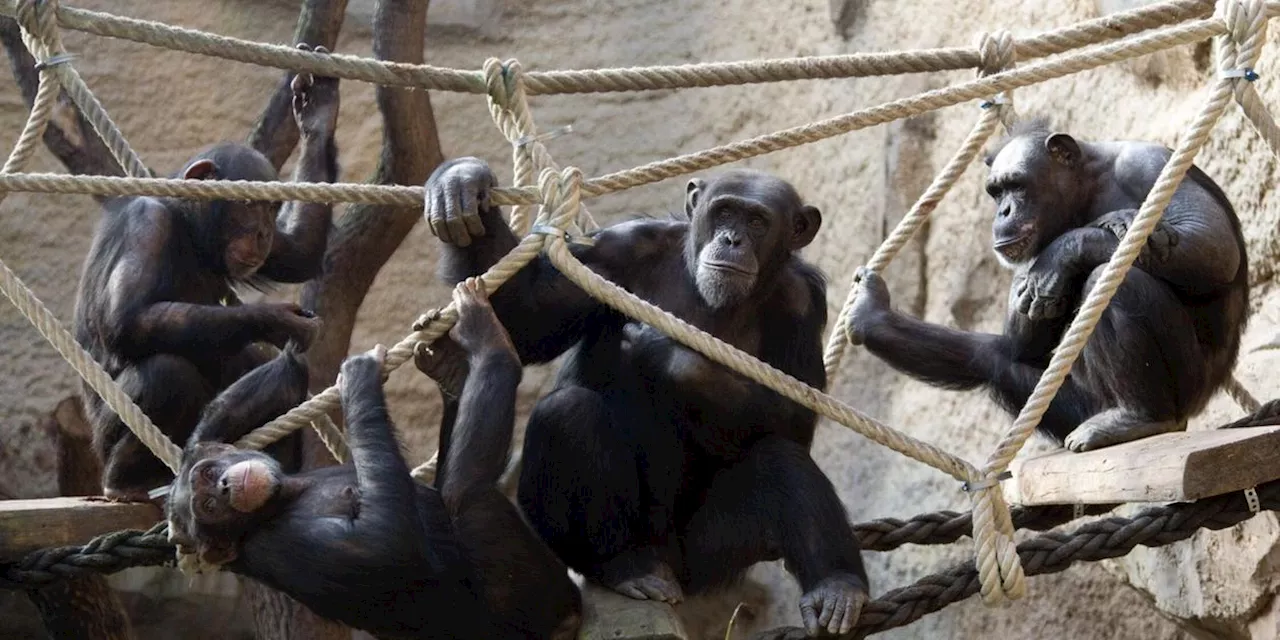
x: 548, y: 198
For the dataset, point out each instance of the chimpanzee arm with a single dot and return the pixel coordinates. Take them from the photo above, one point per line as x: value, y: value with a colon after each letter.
x: 264, y: 393
x: 302, y: 228
x: 480, y: 438
x: 136, y: 325
x: 938, y: 355
x: 387, y: 492
x: 546, y: 314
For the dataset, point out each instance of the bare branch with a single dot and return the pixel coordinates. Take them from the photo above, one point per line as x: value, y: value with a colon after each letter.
x: 364, y: 239
x: 276, y: 134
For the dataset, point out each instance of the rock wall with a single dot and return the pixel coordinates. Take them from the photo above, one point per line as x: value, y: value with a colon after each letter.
x: 170, y: 104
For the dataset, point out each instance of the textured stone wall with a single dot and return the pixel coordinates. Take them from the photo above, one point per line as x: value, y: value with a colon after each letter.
x: 169, y: 104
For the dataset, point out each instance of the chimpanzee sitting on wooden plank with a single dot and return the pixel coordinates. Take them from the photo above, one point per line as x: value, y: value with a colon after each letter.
x: 156, y: 305
x: 364, y: 543
x: 1164, y: 345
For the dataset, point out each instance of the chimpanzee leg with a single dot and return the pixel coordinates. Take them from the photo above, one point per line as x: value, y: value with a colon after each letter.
x: 776, y: 502
x: 172, y: 392
x: 581, y: 489
x: 1139, y: 359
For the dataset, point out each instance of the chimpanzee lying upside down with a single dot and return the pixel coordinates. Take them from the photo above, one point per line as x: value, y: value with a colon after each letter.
x: 364, y: 543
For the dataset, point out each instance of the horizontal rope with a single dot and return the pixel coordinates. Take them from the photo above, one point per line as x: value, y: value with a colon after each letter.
x: 618, y: 79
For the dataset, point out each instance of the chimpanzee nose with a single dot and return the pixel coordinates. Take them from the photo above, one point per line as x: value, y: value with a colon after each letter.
x: 730, y: 239
x: 1004, y: 212
x: 223, y: 485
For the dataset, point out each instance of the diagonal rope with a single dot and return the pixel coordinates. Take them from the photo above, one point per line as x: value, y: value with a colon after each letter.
x: 999, y: 55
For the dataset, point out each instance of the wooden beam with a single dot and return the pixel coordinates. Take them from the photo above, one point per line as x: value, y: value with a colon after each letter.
x: 28, y: 525
x: 1171, y: 467
x: 608, y: 615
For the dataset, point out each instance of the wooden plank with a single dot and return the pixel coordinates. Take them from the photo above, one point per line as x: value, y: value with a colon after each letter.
x: 608, y: 615
x: 1170, y: 467
x: 28, y: 525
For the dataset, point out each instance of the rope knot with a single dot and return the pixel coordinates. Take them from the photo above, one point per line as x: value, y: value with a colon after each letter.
x: 39, y: 18
x: 997, y: 52
x: 1246, y: 22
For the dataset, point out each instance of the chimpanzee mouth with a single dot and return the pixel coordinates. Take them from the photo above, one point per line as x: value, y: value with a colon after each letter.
x: 727, y: 266
x: 1012, y: 247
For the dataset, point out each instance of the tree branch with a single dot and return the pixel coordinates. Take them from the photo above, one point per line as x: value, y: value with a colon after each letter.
x: 364, y: 239
x: 276, y: 134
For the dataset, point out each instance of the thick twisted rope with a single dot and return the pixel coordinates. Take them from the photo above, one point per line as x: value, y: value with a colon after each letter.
x: 653, y: 172
x: 625, y: 79
x: 1002, y: 575
x: 1056, y: 552
x: 1043, y: 554
x: 38, y: 19
x: 999, y: 57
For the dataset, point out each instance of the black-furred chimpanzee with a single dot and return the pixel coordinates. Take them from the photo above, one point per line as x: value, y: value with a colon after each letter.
x: 364, y: 543
x: 649, y: 468
x: 156, y: 305
x: 1167, y: 341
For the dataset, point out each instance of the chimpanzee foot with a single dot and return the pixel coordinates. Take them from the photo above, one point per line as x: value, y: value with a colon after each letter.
x: 478, y: 328
x: 833, y: 605
x: 444, y: 361
x: 660, y: 585
x: 1115, y: 426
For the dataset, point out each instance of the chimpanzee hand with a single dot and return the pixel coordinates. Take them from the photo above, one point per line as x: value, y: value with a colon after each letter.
x: 315, y: 101
x: 833, y: 605
x: 869, y: 307
x: 1041, y: 293
x: 291, y: 323
x: 369, y: 363
x: 455, y: 193
x: 478, y: 329
x: 445, y: 362
x: 1160, y: 243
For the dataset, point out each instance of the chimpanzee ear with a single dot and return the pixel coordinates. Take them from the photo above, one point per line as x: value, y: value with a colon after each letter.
x: 692, y: 191
x: 805, y: 226
x: 202, y: 169
x: 1063, y: 148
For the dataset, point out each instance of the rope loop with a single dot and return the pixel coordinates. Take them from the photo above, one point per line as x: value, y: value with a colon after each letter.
x: 1246, y: 22
x: 997, y: 52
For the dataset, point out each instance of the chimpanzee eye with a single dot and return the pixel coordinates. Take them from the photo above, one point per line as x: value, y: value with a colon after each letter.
x: 993, y: 190
x: 756, y: 223
x: 207, y: 472
x: 209, y: 504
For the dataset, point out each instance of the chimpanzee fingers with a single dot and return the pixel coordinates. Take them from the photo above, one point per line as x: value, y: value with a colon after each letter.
x: 457, y: 228
x: 825, y: 618
x: 470, y: 209
x: 809, y: 616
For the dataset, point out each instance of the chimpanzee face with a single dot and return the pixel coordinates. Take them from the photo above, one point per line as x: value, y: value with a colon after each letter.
x: 244, y: 230
x: 744, y: 226
x: 218, y: 489
x: 249, y: 231
x: 1036, y: 184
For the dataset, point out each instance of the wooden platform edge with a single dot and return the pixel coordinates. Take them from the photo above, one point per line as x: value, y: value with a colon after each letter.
x: 612, y: 616
x: 1171, y: 467
x: 29, y: 525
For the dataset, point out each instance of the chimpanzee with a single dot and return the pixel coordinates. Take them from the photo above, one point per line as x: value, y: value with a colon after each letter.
x: 156, y: 305
x: 651, y: 469
x: 1167, y: 341
x: 364, y: 543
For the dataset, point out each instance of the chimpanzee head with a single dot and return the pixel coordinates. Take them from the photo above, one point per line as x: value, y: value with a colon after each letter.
x: 219, y: 495
x: 744, y: 225
x: 238, y: 233
x: 1041, y: 190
